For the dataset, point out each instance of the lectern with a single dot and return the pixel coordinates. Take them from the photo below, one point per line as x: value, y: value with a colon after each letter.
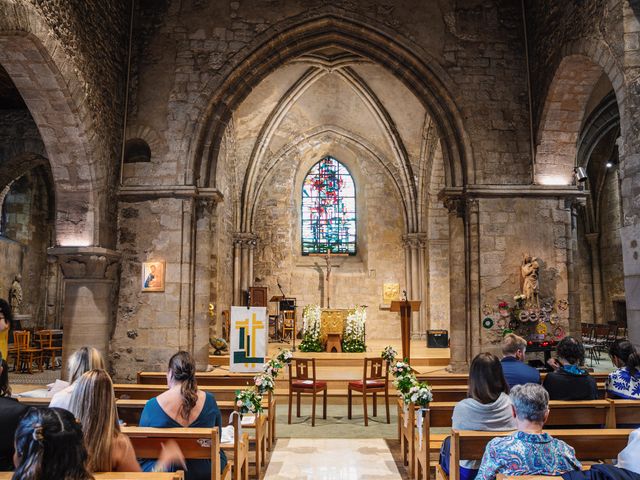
x: 406, y: 308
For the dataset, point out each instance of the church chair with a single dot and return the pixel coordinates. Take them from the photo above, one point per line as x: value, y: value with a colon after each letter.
x: 26, y: 355
x: 288, y: 325
x: 302, y: 380
x: 375, y: 379
x: 46, y: 341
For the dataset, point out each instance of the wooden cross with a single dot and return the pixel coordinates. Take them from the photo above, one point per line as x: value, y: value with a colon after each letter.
x: 327, y: 258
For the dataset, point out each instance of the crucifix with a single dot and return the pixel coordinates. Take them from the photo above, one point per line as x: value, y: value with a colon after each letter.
x: 327, y: 258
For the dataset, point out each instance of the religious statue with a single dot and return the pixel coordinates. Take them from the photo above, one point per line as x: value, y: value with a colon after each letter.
x: 15, y: 294
x: 529, y: 279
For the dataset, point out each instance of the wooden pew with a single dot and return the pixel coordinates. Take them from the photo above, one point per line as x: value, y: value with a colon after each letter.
x: 203, y: 379
x: 588, y: 414
x: 592, y: 444
x: 455, y: 393
x: 133, y: 391
x: 624, y: 413
x: 195, y: 443
x: 405, y: 433
x: 124, y: 475
x: 445, y: 378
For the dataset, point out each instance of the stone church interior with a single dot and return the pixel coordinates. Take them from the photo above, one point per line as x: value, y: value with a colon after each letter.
x: 421, y: 219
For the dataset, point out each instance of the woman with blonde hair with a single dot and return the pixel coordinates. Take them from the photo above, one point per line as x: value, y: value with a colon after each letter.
x: 81, y: 361
x: 109, y: 450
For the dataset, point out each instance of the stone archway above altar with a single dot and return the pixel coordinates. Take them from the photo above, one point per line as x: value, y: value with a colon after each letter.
x: 319, y: 323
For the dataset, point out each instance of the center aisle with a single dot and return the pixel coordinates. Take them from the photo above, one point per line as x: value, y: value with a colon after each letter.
x: 330, y: 458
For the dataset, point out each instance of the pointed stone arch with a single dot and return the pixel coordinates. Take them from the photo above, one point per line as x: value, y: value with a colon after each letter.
x: 423, y: 78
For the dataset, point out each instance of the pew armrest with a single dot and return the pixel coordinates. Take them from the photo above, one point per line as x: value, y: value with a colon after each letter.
x: 440, y: 475
x: 226, y: 473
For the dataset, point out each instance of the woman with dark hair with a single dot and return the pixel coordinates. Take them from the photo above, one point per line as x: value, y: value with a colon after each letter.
x: 569, y: 380
x: 5, y: 326
x: 49, y: 446
x: 11, y: 411
x: 183, y: 405
x: 487, y: 408
x: 625, y: 381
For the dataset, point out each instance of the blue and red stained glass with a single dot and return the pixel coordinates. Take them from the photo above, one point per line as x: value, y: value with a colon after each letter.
x: 328, y: 209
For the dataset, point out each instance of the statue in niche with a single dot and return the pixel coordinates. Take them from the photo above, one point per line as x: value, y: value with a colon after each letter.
x: 15, y: 294
x: 529, y: 279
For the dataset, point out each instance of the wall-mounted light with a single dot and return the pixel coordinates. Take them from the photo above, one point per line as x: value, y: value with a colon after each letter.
x: 580, y: 174
x: 609, y: 164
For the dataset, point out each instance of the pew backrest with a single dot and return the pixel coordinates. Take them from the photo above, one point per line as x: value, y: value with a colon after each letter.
x: 195, y: 443
x: 203, y: 378
x: 124, y: 475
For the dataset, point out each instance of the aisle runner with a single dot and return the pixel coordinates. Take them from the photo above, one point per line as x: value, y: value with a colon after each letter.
x: 330, y: 458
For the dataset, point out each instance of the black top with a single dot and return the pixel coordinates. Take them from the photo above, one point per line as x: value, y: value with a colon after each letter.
x: 11, y: 411
x: 563, y: 385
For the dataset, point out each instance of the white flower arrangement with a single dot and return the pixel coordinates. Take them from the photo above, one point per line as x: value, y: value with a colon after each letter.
x: 272, y: 367
x: 400, y: 369
x: 419, y: 394
x: 354, y: 331
x: 284, y: 357
x: 311, y: 329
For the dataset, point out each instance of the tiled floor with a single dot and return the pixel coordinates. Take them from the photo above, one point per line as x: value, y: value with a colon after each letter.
x: 330, y: 458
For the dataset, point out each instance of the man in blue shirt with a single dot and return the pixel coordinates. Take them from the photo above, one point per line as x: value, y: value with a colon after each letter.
x: 515, y: 370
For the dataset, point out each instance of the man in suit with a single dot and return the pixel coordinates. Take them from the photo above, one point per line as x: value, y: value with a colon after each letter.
x: 515, y: 370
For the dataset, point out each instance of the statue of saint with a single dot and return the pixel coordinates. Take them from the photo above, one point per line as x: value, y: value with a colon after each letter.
x: 529, y: 279
x: 15, y: 294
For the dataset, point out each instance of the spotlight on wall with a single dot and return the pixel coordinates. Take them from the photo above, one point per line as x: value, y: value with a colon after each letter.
x: 581, y: 174
x: 609, y: 164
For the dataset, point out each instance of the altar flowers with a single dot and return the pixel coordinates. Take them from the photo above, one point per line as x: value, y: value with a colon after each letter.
x: 311, y: 341
x: 354, y: 331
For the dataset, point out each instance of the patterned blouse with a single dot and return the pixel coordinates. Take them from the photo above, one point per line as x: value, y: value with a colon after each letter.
x: 527, y: 454
x: 620, y: 384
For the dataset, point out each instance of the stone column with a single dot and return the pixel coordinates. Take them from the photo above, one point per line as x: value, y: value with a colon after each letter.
x: 90, y: 275
x: 573, y: 294
x: 459, y: 327
x: 414, y: 244
x: 244, y: 244
x: 596, y: 276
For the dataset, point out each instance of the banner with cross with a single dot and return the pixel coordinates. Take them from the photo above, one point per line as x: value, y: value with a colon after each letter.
x: 248, y: 345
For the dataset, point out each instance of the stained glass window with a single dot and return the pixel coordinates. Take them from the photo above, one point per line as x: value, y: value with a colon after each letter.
x: 328, y: 209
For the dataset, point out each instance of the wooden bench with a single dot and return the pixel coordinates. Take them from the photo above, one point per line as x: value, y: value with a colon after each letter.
x: 624, y: 413
x: 124, y: 475
x: 133, y: 391
x: 203, y: 379
x: 196, y: 444
x: 129, y: 412
x: 587, y: 413
x: 591, y: 444
x: 445, y: 378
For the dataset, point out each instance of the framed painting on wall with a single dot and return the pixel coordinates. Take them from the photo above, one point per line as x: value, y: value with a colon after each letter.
x: 153, y: 276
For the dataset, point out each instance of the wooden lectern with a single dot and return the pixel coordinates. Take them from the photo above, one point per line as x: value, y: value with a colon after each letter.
x: 406, y: 308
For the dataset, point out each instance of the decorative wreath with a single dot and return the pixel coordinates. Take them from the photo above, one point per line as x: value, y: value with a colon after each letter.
x: 563, y: 304
x: 487, y: 322
x: 559, y: 333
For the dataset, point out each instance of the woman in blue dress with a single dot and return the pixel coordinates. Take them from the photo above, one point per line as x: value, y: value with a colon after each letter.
x: 625, y: 381
x: 183, y: 405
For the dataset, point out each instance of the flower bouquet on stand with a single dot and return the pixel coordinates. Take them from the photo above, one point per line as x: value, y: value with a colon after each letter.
x: 248, y: 401
x: 419, y: 394
x: 389, y: 354
x: 284, y: 357
x: 272, y: 367
x: 264, y: 383
x: 311, y: 329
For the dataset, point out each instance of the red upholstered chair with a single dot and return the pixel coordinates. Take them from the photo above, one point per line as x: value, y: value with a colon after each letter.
x: 375, y: 379
x: 302, y: 380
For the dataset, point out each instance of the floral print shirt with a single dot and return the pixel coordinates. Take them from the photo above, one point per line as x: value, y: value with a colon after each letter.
x: 620, y: 384
x: 527, y: 454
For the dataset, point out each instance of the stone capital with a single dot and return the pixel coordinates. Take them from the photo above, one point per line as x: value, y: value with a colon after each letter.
x: 86, y: 263
x: 592, y: 238
x: 245, y: 239
x: 415, y: 240
x: 455, y: 205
